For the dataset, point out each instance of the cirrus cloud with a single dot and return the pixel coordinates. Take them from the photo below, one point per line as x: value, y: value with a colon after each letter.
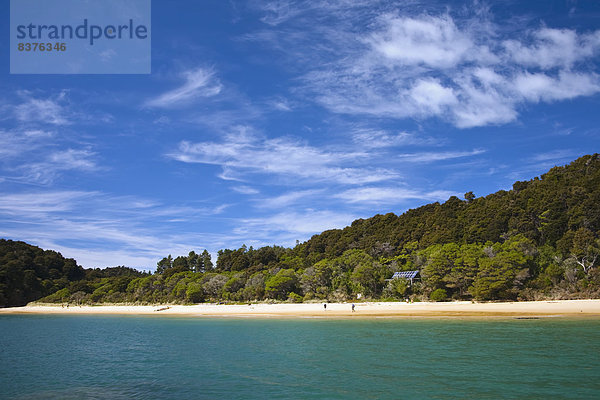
x: 199, y: 82
x: 242, y: 153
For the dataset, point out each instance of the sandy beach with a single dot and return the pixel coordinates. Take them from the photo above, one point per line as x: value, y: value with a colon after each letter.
x: 565, y: 308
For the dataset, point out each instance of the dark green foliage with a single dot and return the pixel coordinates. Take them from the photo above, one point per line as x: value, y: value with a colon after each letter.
x: 194, y: 293
x: 244, y: 258
x: 295, y: 298
x: 192, y: 262
x: 397, y: 288
x: 61, y: 296
x: 469, y: 196
x: 368, y: 277
x: 438, y: 295
x: 164, y: 264
x: 500, y: 268
x: 281, y: 284
x: 28, y: 273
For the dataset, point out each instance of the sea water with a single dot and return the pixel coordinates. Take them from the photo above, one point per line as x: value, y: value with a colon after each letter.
x: 126, y: 357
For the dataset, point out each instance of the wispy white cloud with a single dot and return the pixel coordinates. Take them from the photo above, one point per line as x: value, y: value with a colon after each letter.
x: 390, y: 195
x: 52, y: 110
x: 379, y: 139
x: 556, y: 155
x: 162, y: 120
x: 73, y: 159
x: 434, y: 42
x: 287, y: 227
x: 284, y: 157
x: 431, y: 97
x: 57, y: 162
x: 243, y: 189
x: 537, y: 87
x: 425, y: 157
x: 37, y: 205
x: 13, y: 143
x: 277, y: 12
x: 539, y: 163
x: 36, y: 156
x: 44, y: 138
x: 550, y: 48
x: 281, y: 104
x: 287, y: 199
x: 199, y: 82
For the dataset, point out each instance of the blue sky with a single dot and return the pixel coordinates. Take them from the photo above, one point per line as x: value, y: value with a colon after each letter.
x: 265, y: 122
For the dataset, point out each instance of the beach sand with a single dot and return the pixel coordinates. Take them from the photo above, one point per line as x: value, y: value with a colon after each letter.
x: 565, y: 308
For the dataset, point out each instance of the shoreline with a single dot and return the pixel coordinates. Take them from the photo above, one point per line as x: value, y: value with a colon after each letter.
x: 550, y: 308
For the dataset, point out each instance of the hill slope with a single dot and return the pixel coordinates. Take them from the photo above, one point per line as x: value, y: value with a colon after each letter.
x: 28, y: 272
x: 547, y: 210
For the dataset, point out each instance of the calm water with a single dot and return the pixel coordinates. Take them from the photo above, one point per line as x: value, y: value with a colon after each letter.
x: 100, y: 357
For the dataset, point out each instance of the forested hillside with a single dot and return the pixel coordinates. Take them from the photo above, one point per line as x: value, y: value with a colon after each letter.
x: 28, y: 272
x: 538, y: 240
x: 548, y: 210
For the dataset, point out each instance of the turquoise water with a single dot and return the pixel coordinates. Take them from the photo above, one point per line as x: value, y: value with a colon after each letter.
x: 123, y: 357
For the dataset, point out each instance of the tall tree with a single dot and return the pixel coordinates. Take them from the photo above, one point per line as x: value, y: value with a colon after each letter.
x: 206, y: 262
x: 164, y: 264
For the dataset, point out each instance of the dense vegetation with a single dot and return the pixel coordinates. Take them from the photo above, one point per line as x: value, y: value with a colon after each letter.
x: 28, y: 273
x: 538, y: 240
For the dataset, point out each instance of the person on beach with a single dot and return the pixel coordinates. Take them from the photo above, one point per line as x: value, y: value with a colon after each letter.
x: 325, y: 306
x: 352, y: 307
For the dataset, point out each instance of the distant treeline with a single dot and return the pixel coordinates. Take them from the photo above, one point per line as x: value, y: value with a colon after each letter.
x: 538, y: 240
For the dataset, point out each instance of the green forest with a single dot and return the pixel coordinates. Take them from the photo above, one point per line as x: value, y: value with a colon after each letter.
x: 537, y: 241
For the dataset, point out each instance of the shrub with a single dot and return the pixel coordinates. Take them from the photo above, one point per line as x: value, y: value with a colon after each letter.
x: 438, y: 295
x: 295, y: 298
x: 396, y: 288
x: 194, y: 293
x: 60, y: 296
x: 278, y: 286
